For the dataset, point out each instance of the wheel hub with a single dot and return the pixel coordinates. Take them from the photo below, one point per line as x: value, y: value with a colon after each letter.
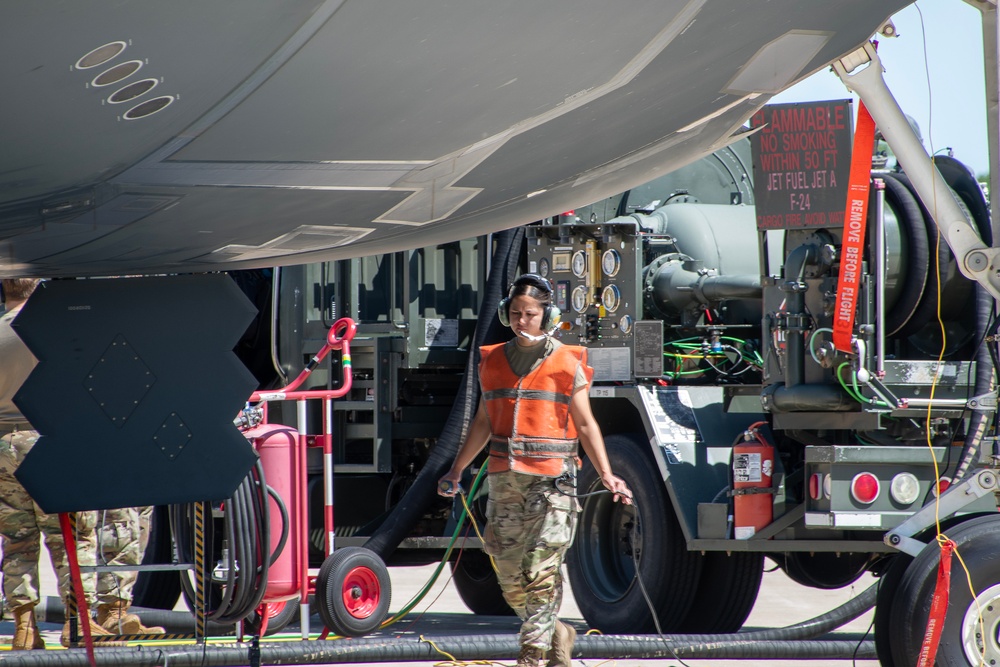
x: 361, y: 592
x: 980, y: 639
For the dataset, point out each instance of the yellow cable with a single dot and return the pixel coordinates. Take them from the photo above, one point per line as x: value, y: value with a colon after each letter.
x: 941, y: 537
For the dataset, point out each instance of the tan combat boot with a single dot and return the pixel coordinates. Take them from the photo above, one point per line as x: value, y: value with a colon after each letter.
x: 26, y: 634
x: 115, y: 619
x: 95, y: 631
x: 562, y: 645
x: 529, y: 656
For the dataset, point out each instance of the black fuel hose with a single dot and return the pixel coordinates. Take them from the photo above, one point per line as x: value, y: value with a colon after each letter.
x: 463, y: 648
x: 248, y: 536
x: 979, y: 420
x: 400, y: 521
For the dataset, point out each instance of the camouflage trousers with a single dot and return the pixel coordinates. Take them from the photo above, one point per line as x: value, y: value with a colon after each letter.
x: 530, y: 525
x: 22, y: 523
x: 121, y: 540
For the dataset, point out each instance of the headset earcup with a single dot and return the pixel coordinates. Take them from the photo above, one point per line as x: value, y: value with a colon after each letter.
x: 553, y: 317
x: 503, y: 312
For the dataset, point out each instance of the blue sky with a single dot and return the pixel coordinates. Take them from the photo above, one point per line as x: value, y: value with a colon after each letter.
x: 954, y: 113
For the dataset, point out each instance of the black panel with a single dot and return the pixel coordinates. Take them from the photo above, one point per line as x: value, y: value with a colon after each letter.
x: 135, y: 391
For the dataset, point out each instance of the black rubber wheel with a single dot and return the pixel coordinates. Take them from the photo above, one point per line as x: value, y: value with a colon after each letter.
x: 157, y: 590
x: 727, y: 591
x: 477, y: 584
x: 888, y: 584
x: 353, y: 591
x: 823, y: 570
x: 916, y: 251
x: 612, y: 536
x: 279, y: 615
x: 978, y: 542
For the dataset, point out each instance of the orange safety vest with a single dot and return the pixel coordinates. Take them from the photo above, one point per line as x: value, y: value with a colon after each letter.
x: 530, y: 424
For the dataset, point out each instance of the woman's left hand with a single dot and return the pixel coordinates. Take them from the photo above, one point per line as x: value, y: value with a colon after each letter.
x: 617, y: 485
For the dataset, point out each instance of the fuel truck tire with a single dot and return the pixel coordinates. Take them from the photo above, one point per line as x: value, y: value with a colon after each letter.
x: 612, y: 536
x: 353, y: 591
x: 727, y: 591
x: 962, y: 641
x: 477, y: 584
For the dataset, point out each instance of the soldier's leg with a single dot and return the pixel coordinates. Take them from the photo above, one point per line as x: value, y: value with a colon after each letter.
x: 503, y: 538
x: 86, y: 548
x: 117, y: 544
x: 19, y: 530
x: 549, y: 528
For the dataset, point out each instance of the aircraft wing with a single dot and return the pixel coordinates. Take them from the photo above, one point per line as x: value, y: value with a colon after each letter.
x: 143, y: 137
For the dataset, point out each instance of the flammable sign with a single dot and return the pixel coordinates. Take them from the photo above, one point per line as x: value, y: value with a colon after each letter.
x: 801, y: 164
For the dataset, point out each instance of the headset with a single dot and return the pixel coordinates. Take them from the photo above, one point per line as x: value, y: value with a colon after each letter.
x: 550, y: 317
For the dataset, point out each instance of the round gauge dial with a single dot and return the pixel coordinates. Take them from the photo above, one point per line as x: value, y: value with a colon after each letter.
x: 625, y: 324
x: 579, y: 264
x: 543, y: 267
x: 611, y: 262
x: 580, y: 299
x: 611, y: 297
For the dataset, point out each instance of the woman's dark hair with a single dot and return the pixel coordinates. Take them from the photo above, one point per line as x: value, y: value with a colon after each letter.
x: 533, y: 285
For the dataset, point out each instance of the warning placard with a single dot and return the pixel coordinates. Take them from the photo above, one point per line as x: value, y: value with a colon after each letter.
x: 801, y: 164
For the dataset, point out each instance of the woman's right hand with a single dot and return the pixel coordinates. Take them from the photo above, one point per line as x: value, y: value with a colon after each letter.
x: 448, y: 485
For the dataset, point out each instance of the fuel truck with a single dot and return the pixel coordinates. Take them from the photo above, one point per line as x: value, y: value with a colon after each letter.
x: 744, y: 431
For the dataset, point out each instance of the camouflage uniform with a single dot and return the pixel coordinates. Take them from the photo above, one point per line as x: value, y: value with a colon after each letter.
x: 21, y: 524
x: 120, y: 541
x: 530, y: 525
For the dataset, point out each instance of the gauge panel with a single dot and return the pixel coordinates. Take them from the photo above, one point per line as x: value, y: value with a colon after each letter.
x: 598, y: 288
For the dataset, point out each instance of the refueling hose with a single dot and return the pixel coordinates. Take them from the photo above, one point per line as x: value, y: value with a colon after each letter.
x: 979, y: 420
x: 461, y: 647
x: 400, y: 521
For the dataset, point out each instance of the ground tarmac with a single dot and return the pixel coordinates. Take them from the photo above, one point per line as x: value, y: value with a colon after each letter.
x: 441, y: 613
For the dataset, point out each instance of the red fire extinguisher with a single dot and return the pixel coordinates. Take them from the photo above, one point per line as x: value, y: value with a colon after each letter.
x: 753, y: 466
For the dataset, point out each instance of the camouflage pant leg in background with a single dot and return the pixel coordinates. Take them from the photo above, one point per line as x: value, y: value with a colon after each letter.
x: 119, y: 542
x: 530, y: 527
x: 21, y: 524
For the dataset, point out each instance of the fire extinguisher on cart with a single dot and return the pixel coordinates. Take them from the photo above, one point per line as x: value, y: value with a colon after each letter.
x: 753, y: 466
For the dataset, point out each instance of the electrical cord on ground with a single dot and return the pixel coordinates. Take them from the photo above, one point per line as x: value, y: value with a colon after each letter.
x: 797, y: 632
x: 566, y: 478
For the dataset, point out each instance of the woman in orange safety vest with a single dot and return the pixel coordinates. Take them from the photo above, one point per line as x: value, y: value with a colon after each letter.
x: 534, y: 412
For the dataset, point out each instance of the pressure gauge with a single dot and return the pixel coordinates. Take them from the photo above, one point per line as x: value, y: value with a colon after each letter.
x: 611, y: 262
x: 611, y: 297
x: 580, y: 299
x: 625, y: 324
x: 579, y: 264
x: 543, y: 267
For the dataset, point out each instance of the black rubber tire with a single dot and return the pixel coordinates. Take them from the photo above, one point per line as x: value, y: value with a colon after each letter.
x: 280, y: 614
x: 600, y: 563
x: 913, y: 229
x: 477, y: 584
x: 888, y: 584
x: 823, y: 570
x: 157, y: 590
x: 727, y: 591
x: 344, y: 569
x: 978, y: 542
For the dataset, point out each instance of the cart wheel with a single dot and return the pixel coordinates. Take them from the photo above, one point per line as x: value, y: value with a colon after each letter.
x: 279, y: 615
x: 353, y: 591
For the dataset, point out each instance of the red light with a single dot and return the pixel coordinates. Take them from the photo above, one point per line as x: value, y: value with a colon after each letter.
x: 865, y: 488
x: 942, y: 486
x: 815, y: 484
